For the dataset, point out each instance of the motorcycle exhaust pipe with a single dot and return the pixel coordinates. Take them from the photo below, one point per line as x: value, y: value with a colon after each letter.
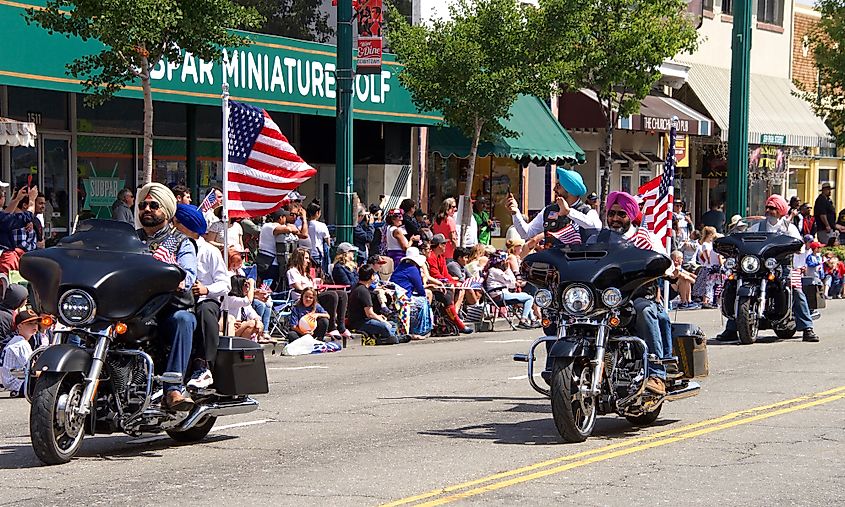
x: 687, y: 392
x: 218, y: 409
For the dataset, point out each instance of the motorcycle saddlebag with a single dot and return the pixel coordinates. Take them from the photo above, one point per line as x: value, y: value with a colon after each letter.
x: 814, y: 291
x: 239, y: 368
x: 690, y: 346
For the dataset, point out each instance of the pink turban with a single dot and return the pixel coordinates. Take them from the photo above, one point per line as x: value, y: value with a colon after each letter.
x: 626, y: 201
x: 778, y: 202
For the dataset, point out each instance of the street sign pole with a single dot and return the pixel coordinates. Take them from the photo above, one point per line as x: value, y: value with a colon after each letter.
x: 344, y: 218
x: 738, y: 120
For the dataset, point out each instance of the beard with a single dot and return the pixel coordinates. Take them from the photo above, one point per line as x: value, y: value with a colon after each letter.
x: 620, y: 228
x: 772, y: 220
x: 151, y: 220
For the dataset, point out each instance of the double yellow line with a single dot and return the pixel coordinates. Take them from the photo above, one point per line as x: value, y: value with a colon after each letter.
x: 630, y: 446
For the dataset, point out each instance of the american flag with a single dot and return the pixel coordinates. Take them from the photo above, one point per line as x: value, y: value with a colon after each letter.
x: 263, y: 167
x: 473, y: 282
x: 657, y: 201
x: 568, y: 235
x: 165, y: 251
x: 209, y: 201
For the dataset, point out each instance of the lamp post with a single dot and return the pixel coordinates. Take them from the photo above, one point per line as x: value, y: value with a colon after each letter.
x: 344, y: 218
x: 738, y: 118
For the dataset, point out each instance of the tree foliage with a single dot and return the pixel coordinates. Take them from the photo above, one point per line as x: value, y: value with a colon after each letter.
x: 137, y: 34
x: 298, y: 19
x: 827, y: 42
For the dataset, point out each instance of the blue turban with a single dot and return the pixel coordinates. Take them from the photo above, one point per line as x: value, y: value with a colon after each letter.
x: 191, y: 218
x: 571, y: 181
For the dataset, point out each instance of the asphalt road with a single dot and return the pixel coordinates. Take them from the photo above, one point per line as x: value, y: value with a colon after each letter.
x: 447, y: 421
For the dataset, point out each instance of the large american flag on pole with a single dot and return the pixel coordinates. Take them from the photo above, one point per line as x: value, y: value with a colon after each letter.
x: 263, y: 167
x: 657, y: 201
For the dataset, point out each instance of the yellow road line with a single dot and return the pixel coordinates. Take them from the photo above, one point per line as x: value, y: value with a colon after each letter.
x: 610, y: 451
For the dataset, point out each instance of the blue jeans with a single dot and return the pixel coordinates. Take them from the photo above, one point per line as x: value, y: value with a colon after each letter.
x: 519, y: 297
x: 179, y: 328
x: 800, y: 312
x: 655, y: 328
x: 377, y: 328
x: 264, y: 312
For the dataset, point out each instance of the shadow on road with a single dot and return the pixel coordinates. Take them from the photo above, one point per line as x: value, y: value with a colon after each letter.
x: 105, y: 448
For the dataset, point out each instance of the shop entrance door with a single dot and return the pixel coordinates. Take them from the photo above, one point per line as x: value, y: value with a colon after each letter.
x: 55, y: 185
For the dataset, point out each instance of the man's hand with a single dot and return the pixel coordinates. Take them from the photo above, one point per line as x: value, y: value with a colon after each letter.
x: 563, y: 205
x: 199, y: 289
x: 33, y: 194
x: 513, y: 206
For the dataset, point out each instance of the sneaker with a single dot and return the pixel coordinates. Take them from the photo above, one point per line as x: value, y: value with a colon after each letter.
x: 201, y: 379
x: 405, y: 338
x: 810, y: 336
x: 346, y: 333
x: 334, y: 334
x: 466, y: 330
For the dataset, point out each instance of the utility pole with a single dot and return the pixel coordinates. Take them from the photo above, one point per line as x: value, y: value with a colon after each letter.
x: 738, y: 120
x: 344, y: 218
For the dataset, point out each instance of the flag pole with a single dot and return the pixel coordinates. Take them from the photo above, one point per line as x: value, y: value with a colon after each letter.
x: 225, y: 139
x: 670, y: 166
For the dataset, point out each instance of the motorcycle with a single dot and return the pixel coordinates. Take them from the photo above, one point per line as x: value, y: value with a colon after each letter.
x: 102, y: 371
x: 596, y: 363
x: 756, y: 293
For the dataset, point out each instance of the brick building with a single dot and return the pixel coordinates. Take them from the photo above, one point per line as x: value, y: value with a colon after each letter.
x: 804, y: 71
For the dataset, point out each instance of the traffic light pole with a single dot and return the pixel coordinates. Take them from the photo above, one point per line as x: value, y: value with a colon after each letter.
x: 344, y: 218
x: 738, y: 120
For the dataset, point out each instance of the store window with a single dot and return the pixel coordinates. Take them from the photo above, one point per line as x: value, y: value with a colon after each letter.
x: 770, y: 11
x: 727, y: 7
x: 24, y: 166
x: 625, y: 182
x: 644, y: 178
x: 104, y: 166
x: 826, y: 176
x: 115, y: 116
x: 708, y: 5
x: 49, y: 110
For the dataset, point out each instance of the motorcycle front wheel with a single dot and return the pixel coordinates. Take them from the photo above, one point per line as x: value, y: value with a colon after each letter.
x: 574, y: 411
x: 55, y: 426
x: 746, y: 322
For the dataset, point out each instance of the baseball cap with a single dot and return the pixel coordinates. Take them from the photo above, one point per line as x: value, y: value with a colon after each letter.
x: 808, y: 238
x: 346, y: 247
x: 25, y: 316
x: 438, y: 239
x: 593, y: 197
x: 296, y: 196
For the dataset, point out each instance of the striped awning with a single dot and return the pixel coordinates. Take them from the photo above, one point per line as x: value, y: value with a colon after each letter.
x: 774, y: 107
x: 16, y: 133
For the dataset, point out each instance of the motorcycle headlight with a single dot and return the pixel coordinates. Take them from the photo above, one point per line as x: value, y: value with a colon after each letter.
x: 771, y: 263
x: 611, y: 297
x: 730, y: 263
x: 577, y: 299
x: 750, y: 264
x: 77, y: 308
x: 543, y: 298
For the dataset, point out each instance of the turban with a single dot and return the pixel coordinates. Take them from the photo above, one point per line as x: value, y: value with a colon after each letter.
x: 191, y: 218
x: 160, y: 194
x: 626, y: 201
x: 779, y: 203
x: 571, y: 181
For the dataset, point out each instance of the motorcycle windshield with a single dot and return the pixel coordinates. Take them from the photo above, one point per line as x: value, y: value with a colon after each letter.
x: 611, y: 262
x: 761, y: 244
x: 106, y: 259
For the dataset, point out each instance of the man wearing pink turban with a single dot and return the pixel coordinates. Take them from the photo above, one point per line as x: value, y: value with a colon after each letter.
x: 776, y: 222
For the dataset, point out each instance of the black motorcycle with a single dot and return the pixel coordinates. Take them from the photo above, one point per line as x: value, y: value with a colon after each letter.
x: 102, y: 372
x: 597, y: 364
x: 757, y: 293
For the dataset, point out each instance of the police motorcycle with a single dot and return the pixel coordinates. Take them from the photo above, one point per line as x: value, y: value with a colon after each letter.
x: 596, y: 363
x: 103, y: 370
x: 756, y: 293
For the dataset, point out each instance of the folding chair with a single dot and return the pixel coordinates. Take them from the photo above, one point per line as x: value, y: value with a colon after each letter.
x: 493, y: 305
x: 280, y: 313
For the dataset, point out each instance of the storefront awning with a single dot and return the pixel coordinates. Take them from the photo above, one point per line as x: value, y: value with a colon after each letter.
x: 776, y: 115
x: 542, y: 139
x: 16, y: 133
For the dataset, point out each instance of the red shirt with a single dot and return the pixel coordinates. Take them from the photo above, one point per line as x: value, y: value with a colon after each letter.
x: 437, y: 268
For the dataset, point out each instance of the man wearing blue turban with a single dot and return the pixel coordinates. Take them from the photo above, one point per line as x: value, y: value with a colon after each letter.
x: 567, y: 210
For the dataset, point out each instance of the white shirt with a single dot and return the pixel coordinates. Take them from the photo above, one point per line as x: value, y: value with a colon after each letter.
x: 783, y: 226
x: 294, y: 277
x: 235, y: 235
x: 15, y: 356
x: 471, y: 234
x: 707, y: 248
x: 240, y: 308
x: 392, y: 242
x: 318, y: 235
x: 589, y: 220
x: 211, y: 271
x: 267, y: 239
x: 498, y: 279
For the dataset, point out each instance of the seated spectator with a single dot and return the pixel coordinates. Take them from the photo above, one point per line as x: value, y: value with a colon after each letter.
x: 335, y: 301
x: 214, y: 234
x: 477, y: 261
x: 681, y: 283
x: 16, y: 353
x: 408, y: 277
x: 344, y: 270
x: 243, y: 321
x: 457, y: 268
x: 308, y: 317
x: 501, y: 283
x: 261, y: 302
x: 15, y: 298
x: 362, y: 314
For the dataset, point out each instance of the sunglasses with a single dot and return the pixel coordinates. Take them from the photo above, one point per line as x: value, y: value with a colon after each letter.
x: 771, y: 208
x: 614, y: 213
x: 154, y: 205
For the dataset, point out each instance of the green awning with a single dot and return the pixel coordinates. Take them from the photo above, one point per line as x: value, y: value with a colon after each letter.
x: 542, y: 139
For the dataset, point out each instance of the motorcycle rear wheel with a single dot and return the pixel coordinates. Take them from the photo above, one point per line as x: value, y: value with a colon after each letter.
x: 746, y: 322
x: 194, y: 434
x: 646, y: 419
x: 574, y: 413
x: 787, y: 332
x: 56, y: 430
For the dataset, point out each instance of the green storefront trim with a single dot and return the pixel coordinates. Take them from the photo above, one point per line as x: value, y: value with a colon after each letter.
x: 276, y: 73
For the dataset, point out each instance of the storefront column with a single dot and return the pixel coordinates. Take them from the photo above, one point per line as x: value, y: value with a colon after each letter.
x: 523, y: 172
x: 191, y: 151
x: 417, y: 172
x: 812, y: 186
x: 840, y: 181
x: 423, y: 150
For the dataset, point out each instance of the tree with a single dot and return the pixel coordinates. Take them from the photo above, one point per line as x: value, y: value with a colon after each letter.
x: 619, y: 53
x: 137, y: 34
x: 298, y: 19
x: 471, y: 68
x: 827, y: 42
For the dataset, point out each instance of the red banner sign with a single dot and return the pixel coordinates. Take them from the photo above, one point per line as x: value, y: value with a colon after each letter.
x: 370, y: 21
